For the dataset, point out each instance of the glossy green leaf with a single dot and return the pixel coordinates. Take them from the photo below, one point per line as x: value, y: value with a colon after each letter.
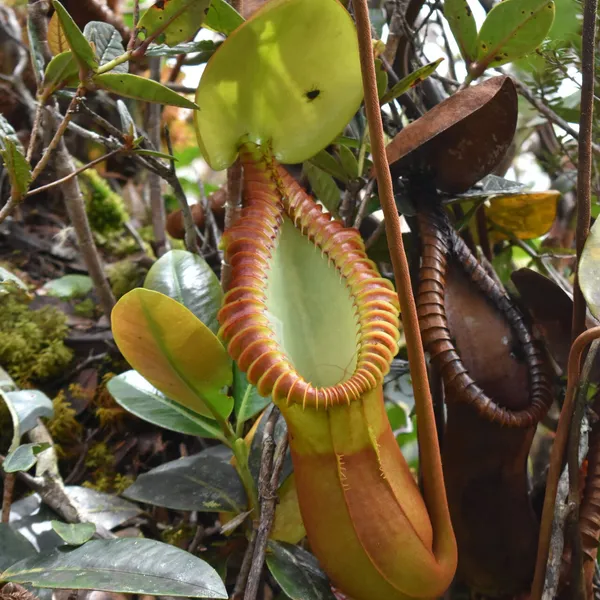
x: 129, y: 566
x: 139, y: 88
x: 382, y: 78
x: 23, y: 457
x: 173, y: 21
x: 411, y: 81
x: 84, y: 54
x: 61, y: 70
x: 247, y: 401
x: 323, y: 186
x: 25, y: 407
x: 512, y: 29
x: 185, y: 48
x: 69, y: 286
x: 222, y: 17
x: 348, y: 161
x: 142, y: 399
x: 13, y: 547
x: 108, y: 43
x: 74, y: 534
x: 187, y: 278
x: 589, y: 270
x: 173, y: 350
x: 297, y: 572
x: 206, y: 482
x: 17, y: 167
x: 460, y: 17
x: 275, y: 96
x: 326, y: 162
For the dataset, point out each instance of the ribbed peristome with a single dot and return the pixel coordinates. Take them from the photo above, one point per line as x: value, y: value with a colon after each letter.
x: 270, y: 193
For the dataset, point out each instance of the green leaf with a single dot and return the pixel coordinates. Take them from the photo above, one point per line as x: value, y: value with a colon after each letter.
x: 74, y: 534
x: 173, y: 21
x: 156, y: 154
x: 61, y: 70
x: 222, y: 17
x: 589, y: 270
x: 464, y: 29
x: 247, y: 401
x: 330, y: 165
x: 512, y: 29
x: 7, y: 132
x: 348, y: 161
x: 139, y: 397
x: 13, y: 547
x: 173, y: 350
x: 69, y: 286
x: 17, y: 166
x: 324, y: 187
x: 382, y: 78
x: 411, y: 81
x: 108, y: 43
x: 297, y: 572
x: 185, y: 48
x: 26, y: 407
x: 129, y: 565
x: 206, y: 482
x: 6, y: 276
x: 84, y: 54
x: 139, y: 88
x: 275, y: 95
x: 127, y: 122
x: 188, y: 278
x: 23, y: 457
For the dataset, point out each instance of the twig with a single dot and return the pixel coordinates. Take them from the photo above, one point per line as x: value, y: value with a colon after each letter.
x: 157, y: 205
x: 58, y: 136
x: 526, y: 92
x: 584, y: 167
x: 7, y: 496
x: 39, y: 111
x: 242, y: 578
x: 556, y: 459
x: 362, y: 207
x: 190, y: 237
x: 136, y: 18
x: 59, y: 182
x: 268, y: 480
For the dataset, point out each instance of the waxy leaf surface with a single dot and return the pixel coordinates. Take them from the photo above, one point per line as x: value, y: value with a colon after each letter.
x: 129, y: 566
x: 275, y: 96
x: 74, y: 534
x: 84, y: 54
x: 173, y: 21
x: 464, y: 29
x: 222, y: 17
x: 173, y: 350
x: 512, y: 29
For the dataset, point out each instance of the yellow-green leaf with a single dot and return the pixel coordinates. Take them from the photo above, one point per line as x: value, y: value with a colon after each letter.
x: 173, y: 21
x: 512, y: 29
x: 15, y: 163
x: 57, y: 40
x: 410, y: 81
x: 139, y: 88
x: 460, y: 17
x: 222, y: 17
x: 589, y: 270
x: 527, y: 216
x: 262, y: 85
x: 61, y: 70
x: 83, y: 52
x: 173, y: 350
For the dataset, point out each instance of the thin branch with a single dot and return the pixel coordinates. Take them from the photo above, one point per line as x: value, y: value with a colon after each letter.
x: 557, y: 457
x: 7, y: 495
x: 584, y: 166
x: 59, y: 182
x: 39, y: 111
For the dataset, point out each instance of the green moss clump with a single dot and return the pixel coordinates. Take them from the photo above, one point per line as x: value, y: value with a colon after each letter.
x: 32, y: 345
x: 64, y: 428
x: 105, y: 208
x: 85, y: 308
x: 124, y: 276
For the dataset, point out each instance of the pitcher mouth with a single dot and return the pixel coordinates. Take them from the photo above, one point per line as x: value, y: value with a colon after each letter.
x: 298, y: 347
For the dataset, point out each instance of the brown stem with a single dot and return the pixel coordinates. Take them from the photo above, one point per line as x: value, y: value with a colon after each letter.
x: 557, y: 459
x: 7, y: 496
x: 444, y: 544
x: 34, y: 131
x: 584, y: 167
x: 58, y: 182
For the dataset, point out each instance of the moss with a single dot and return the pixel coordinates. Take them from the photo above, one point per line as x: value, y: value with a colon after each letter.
x: 105, y: 208
x: 124, y: 276
x: 178, y: 535
x: 32, y: 345
x: 63, y: 426
x: 86, y: 308
x: 104, y: 478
